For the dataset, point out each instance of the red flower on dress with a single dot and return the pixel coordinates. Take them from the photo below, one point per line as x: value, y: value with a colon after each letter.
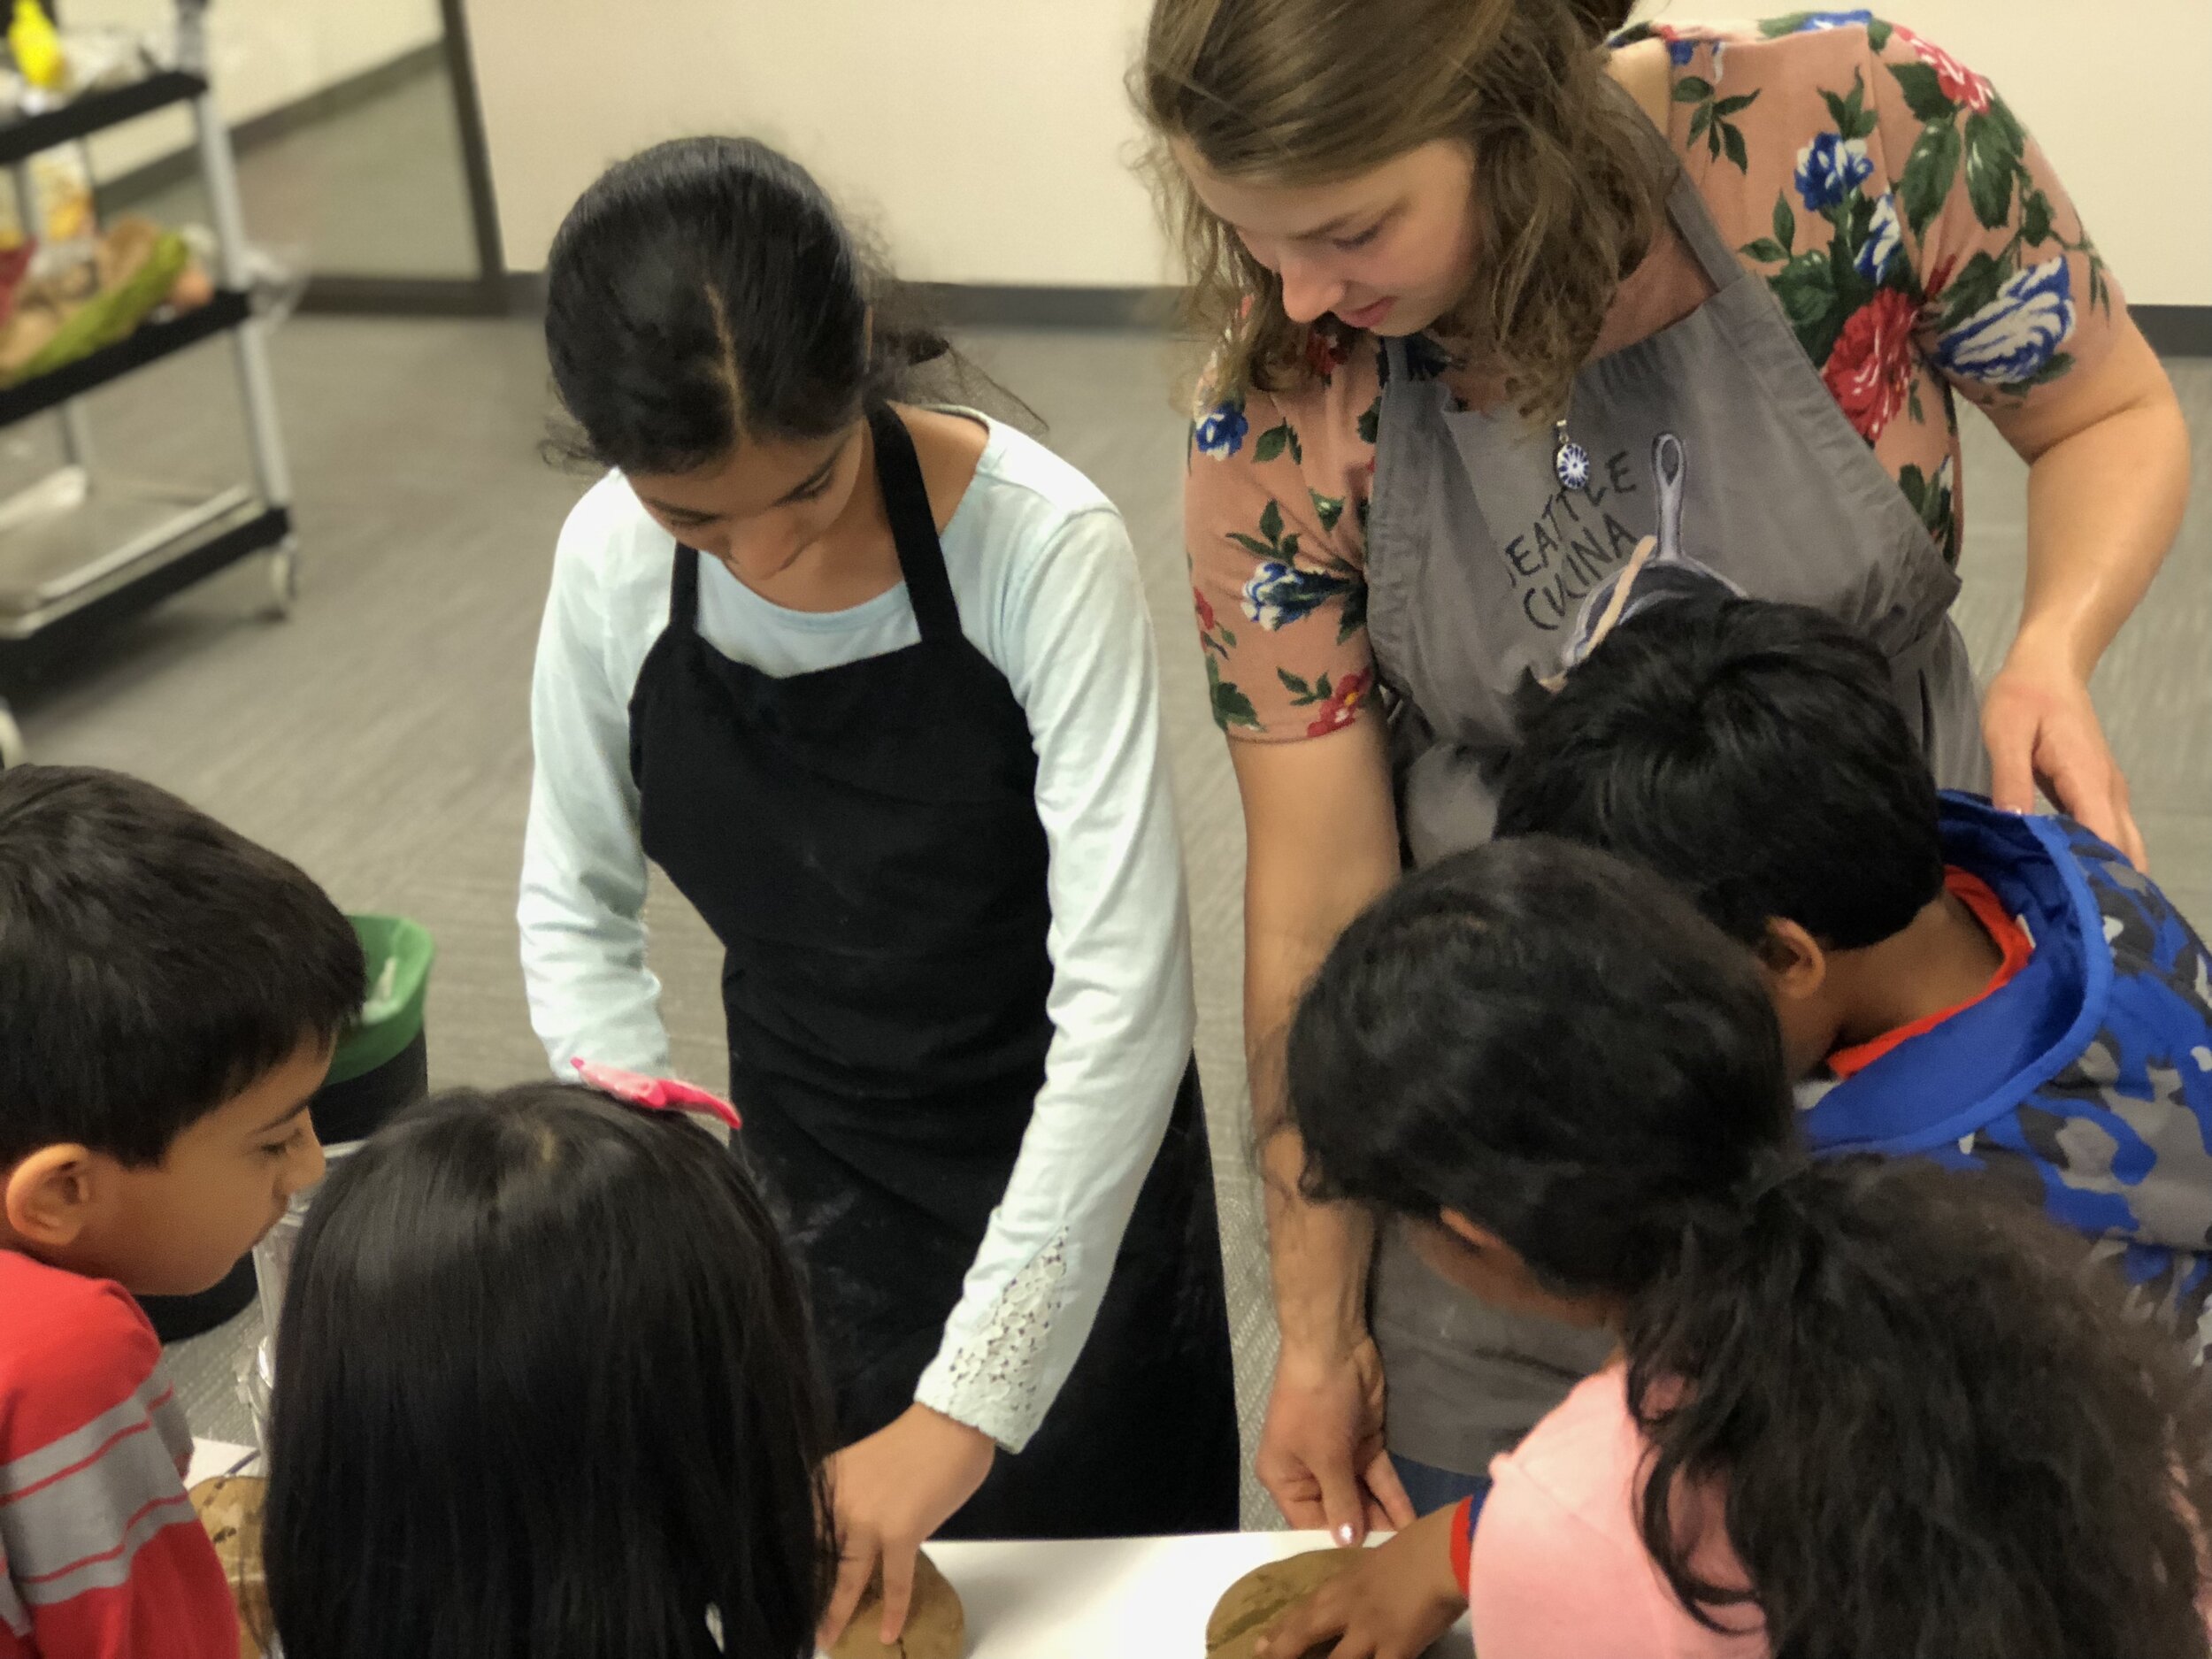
x: 1869, y: 371
x: 1206, y: 623
x: 1970, y: 91
x: 1342, y: 704
x: 1325, y: 351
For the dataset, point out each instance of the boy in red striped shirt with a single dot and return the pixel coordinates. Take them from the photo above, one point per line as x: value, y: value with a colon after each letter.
x: 170, y: 994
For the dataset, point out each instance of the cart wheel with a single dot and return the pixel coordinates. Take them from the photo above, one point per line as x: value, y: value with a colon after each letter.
x: 284, y: 579
x: 13, y: 750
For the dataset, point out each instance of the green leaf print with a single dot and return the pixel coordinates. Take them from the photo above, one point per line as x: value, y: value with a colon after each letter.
x: 2035, y: 217
x: 1806, y: 287
x: 1785, y: 223
x: 1929, y: 171
x: 1851, y: 115
x: 1271, y: 524
x: 1735, y: 106
x: 1327, y: 509
x: 1878, y: 33
x: 1973, y: 287
x: 1253, y: 545
x: 1370, y: 420
x: 1766, y: 250
x: 1930, y: 499
x: 1303, y: 694
x: 1924, y: 91
x: 1732, y: 137
x: 1355, y: 613
x: 1991, y: 162
x: 1231, y: 706
x: 1692, y: 90
x: 1274, y: 441
x: 1297, y: 686
x: 2061, y: 363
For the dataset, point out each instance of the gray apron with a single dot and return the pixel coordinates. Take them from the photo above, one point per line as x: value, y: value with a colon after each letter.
x: 1717, y: 456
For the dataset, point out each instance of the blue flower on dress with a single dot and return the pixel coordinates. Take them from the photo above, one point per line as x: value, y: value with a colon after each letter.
x: 1279, y: 594
x: 1830, y: 169
x: 1680, y: 51
x: 1884, y: 237
x: 1221, y: 433
x: 1814, y: 22
x: 2013, y: 338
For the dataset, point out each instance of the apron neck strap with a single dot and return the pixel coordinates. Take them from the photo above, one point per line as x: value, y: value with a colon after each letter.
x: 683, y: 589
x: 913, y: 526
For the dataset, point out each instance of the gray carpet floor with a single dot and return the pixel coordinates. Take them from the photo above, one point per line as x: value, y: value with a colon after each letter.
x: 380, y: 737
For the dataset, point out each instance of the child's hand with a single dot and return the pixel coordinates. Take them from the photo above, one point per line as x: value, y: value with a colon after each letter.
x: 892, y: 1491
x: 1391, y: 1606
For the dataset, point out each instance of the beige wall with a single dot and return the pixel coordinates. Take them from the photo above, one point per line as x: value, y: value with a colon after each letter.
x: 264, y: 54
x: 987, y: 139
x: 984, y: 139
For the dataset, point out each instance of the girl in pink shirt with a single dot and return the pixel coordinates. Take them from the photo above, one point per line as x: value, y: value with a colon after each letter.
x: 1859, y: 1408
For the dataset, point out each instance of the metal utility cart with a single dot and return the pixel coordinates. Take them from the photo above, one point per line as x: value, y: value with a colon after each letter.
x: 79, y: 552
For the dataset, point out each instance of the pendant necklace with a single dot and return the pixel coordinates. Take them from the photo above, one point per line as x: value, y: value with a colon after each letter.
x: 1569, y: 461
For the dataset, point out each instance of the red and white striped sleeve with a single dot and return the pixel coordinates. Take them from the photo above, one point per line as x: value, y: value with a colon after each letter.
x: 103, y: 1555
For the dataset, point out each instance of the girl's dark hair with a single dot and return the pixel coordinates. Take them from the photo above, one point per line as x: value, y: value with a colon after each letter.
x: 704, y: 291
x: 545, y: 1390
x: 1935, y: 1435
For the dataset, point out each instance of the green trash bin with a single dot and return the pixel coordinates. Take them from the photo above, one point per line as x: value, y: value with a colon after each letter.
x: 381, y: 1064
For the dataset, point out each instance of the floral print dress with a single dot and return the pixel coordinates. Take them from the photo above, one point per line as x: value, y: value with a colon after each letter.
x: 1913, y: 234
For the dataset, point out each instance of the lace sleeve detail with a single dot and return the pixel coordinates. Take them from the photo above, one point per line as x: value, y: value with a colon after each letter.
x: 992, y: 1381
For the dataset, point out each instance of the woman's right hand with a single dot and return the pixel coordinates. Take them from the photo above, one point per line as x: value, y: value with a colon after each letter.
x: 1321, y: 1455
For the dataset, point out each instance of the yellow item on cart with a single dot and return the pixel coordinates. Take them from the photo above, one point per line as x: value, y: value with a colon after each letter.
x: 37, y: 48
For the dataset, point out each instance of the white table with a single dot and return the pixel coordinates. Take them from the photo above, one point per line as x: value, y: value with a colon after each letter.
x: 1116, y: 1598
x: 1124, y: 1598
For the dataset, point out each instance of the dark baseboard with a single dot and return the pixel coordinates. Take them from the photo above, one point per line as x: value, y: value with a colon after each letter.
x: 350, y: 296
x: 979, y: 305
x: 2175, y: 331
x: 1004, y: 305
x: 127, y: 188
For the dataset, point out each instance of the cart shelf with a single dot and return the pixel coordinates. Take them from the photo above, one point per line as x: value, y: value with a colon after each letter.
x: 96, y: 112
x: 149, y: 343
x: 80, y: 550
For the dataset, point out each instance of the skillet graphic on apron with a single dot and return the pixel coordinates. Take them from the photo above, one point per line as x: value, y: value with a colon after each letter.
x: 1658, y: 570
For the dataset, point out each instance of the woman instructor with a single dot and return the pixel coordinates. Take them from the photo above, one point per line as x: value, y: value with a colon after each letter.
x: 1522, y: 325
x: 873, y: 683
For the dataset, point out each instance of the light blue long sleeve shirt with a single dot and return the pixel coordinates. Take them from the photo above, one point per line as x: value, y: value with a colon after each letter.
x: 1047, y: 588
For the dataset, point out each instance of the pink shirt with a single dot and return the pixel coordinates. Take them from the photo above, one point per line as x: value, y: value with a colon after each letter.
x: 1557, y: 1568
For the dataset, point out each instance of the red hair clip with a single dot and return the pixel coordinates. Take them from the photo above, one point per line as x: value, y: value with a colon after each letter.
x: 656, y: 1094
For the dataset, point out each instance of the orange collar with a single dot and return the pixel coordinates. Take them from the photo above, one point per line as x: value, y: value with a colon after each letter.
x: 2011, y: 939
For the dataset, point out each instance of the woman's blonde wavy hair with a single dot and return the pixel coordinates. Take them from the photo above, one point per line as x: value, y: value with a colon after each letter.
x: 1301, y: 92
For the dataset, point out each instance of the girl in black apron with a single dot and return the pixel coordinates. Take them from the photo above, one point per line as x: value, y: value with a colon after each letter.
x: 914, y: 786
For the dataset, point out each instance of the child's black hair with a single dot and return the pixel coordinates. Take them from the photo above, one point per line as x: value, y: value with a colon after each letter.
x: 705, y: 290
x: 1751, y: 753
x: 545, y: 1386
x: 153, y: 964
x: 1935, y: 1439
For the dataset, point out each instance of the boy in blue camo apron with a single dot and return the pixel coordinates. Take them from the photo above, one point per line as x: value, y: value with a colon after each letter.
x: 1994, y: 991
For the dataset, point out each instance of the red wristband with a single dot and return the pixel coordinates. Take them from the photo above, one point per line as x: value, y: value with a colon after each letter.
x: 1463, y: 1540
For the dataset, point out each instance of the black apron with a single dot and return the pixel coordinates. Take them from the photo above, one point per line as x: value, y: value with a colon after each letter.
x: 863, y: 840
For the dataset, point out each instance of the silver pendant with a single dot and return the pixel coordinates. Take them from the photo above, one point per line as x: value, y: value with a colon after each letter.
x: 1569, y: 461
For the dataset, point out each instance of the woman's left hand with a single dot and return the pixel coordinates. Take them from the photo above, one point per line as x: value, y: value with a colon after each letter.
x: 2041, y: 728
x: 892, y: 1491
x: 1393, y: 1605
